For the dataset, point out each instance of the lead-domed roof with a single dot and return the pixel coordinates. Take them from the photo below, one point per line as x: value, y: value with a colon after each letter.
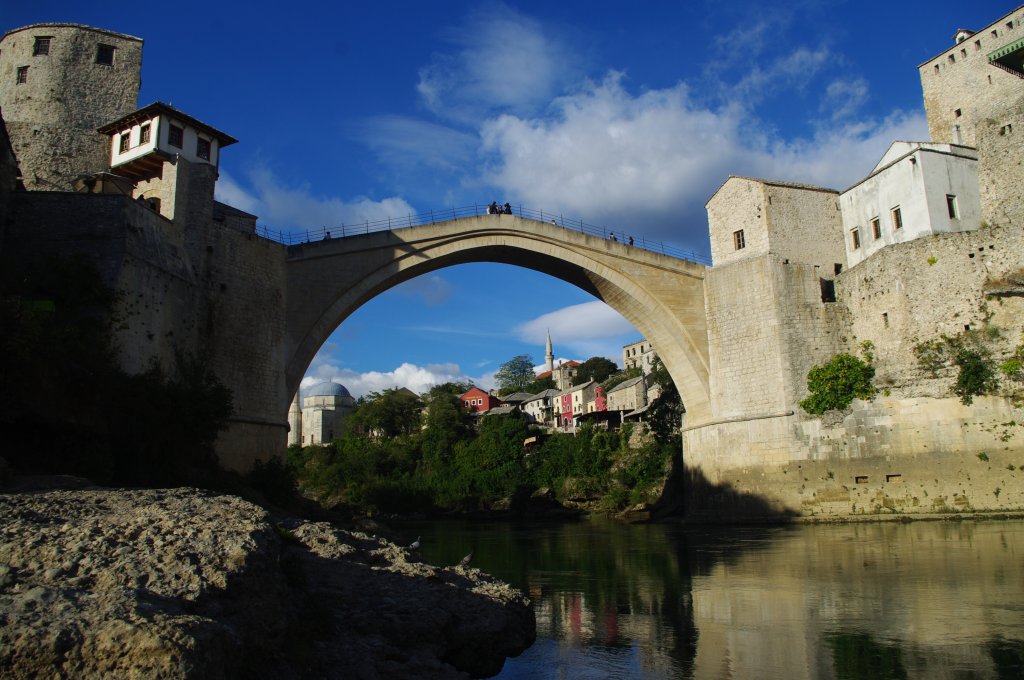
x: 326, y: 389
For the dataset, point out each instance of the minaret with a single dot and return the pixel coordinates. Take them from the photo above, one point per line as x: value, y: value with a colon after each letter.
x: 549, y: 355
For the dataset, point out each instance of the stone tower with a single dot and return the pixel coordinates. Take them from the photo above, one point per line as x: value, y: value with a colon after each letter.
x: 549, y: 355
x: 58, y: 84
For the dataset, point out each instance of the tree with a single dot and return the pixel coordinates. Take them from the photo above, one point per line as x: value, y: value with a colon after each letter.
x: 391, y: 413
x: 666, y: 412
x: 540, y: 384
x: 515, y: 375
x: 595, y: 368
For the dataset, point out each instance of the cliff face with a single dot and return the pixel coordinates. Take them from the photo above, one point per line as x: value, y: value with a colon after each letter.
x: 181, y: 583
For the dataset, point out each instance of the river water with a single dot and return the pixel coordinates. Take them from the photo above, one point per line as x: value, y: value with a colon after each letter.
x: 928, y: 600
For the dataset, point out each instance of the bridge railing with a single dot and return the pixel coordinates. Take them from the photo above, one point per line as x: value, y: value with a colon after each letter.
x: 295, y: 236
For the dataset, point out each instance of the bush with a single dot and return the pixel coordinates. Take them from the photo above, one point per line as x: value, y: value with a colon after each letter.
x: 834, y: 385
x: 977, y: 374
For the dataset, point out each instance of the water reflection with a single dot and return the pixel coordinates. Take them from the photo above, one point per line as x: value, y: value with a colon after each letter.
x: 923, y: 600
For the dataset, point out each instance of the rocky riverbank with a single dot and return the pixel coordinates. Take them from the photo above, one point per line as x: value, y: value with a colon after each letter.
x: 183, y: 583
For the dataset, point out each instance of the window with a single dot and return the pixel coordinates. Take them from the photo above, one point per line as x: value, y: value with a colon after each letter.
x: 105, y: 54
x: 144, y: 134
x: 977, y: 45
x: 41, y: 47
x: 738, y: 240
x: 175, y: 136
x: 876, y: 228
x: 995, y: 33
x: 22, y: 76
x: 855, y: 238
x: 951, y: 206
x: 1009, y: 25
x: 952, y: 59
x: 897, y: 219
x: 963, y: 53
x: 936, y: 69
x: 203, y: 148
x: 957, y: 113
x: 126, y: 141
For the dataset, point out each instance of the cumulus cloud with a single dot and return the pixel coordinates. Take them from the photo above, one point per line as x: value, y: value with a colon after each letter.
x: 295, y: 207
x: 652, y: 160
x: 587, y: 330
x: 419, y: 379
x: 500, y: 59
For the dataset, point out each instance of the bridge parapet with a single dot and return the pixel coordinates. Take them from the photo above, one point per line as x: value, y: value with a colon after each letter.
x: 295, y: 237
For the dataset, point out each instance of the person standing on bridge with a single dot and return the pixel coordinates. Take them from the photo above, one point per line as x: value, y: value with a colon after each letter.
x: 508, y: 209
x: 492, y: 209
x: 630, y: 240
x: 613, y: 237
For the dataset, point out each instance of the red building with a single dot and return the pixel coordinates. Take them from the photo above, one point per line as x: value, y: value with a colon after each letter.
x: 600, y: 401
x: 478, y: 401
x: 566, y: 414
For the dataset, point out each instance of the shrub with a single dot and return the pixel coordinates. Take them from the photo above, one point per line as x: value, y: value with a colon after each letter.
x: 835, y: 384
x: 977, y: 374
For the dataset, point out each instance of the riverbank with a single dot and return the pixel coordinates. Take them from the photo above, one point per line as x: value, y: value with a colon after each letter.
x: 186, y: 583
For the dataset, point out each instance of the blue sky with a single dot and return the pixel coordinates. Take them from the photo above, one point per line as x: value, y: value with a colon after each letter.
x: 626, y: 116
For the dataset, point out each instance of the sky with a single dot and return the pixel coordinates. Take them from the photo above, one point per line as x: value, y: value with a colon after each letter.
x: 624, y: 115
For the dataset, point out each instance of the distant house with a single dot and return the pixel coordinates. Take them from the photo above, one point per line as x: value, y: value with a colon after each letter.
x: 477, y: 401
x: 541, y: 408
x: 628, y: 395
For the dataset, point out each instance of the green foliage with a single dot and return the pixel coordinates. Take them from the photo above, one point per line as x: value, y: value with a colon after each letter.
x: 619, y: 377
x: 540, y: 384
x: 932, y: 260
x: 595, y: 368
x: 835, y: 384
x: 977, y: 374
x: 932, y: 355
x: 983, y: 457
x: 391, y: 413
x: 1013, y: 366
x: 515, y: 375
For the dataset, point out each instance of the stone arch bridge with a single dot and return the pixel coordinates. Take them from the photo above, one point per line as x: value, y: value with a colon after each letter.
x: 662, y: 296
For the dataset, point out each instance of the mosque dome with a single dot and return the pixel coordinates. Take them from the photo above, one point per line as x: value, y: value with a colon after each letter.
x: 326, y: 389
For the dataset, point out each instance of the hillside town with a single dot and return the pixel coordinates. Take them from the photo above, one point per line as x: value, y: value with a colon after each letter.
x: 319, y: 412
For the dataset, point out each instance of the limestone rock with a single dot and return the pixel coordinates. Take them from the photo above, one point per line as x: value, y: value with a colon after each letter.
x: 182, y: 583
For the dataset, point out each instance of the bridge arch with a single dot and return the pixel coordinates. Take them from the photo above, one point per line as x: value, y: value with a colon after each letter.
x: 662, y: 296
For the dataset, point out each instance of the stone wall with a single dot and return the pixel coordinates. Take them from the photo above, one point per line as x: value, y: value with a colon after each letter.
x: 918, y: 455
x: 767, y: 325
x: 55, y: 142
x: 1001, y: 164
x: 138, y: 253
x: 9, y: 175
x: 924, y: 289
x: 962, y: 89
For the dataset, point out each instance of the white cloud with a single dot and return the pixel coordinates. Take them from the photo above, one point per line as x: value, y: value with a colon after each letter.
x: 501, y: 60
x: 295, y: 207
x: 651, y: 161
x: 587, y: 330
x: 844, y: 97
x: 401, y: 141
x: 419, y: 379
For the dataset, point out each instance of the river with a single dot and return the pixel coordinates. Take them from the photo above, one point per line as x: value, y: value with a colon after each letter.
x: 928, y: 600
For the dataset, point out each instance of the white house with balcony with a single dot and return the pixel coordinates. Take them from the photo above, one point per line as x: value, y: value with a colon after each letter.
x: 141, y: 141
x: 917, y: 189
